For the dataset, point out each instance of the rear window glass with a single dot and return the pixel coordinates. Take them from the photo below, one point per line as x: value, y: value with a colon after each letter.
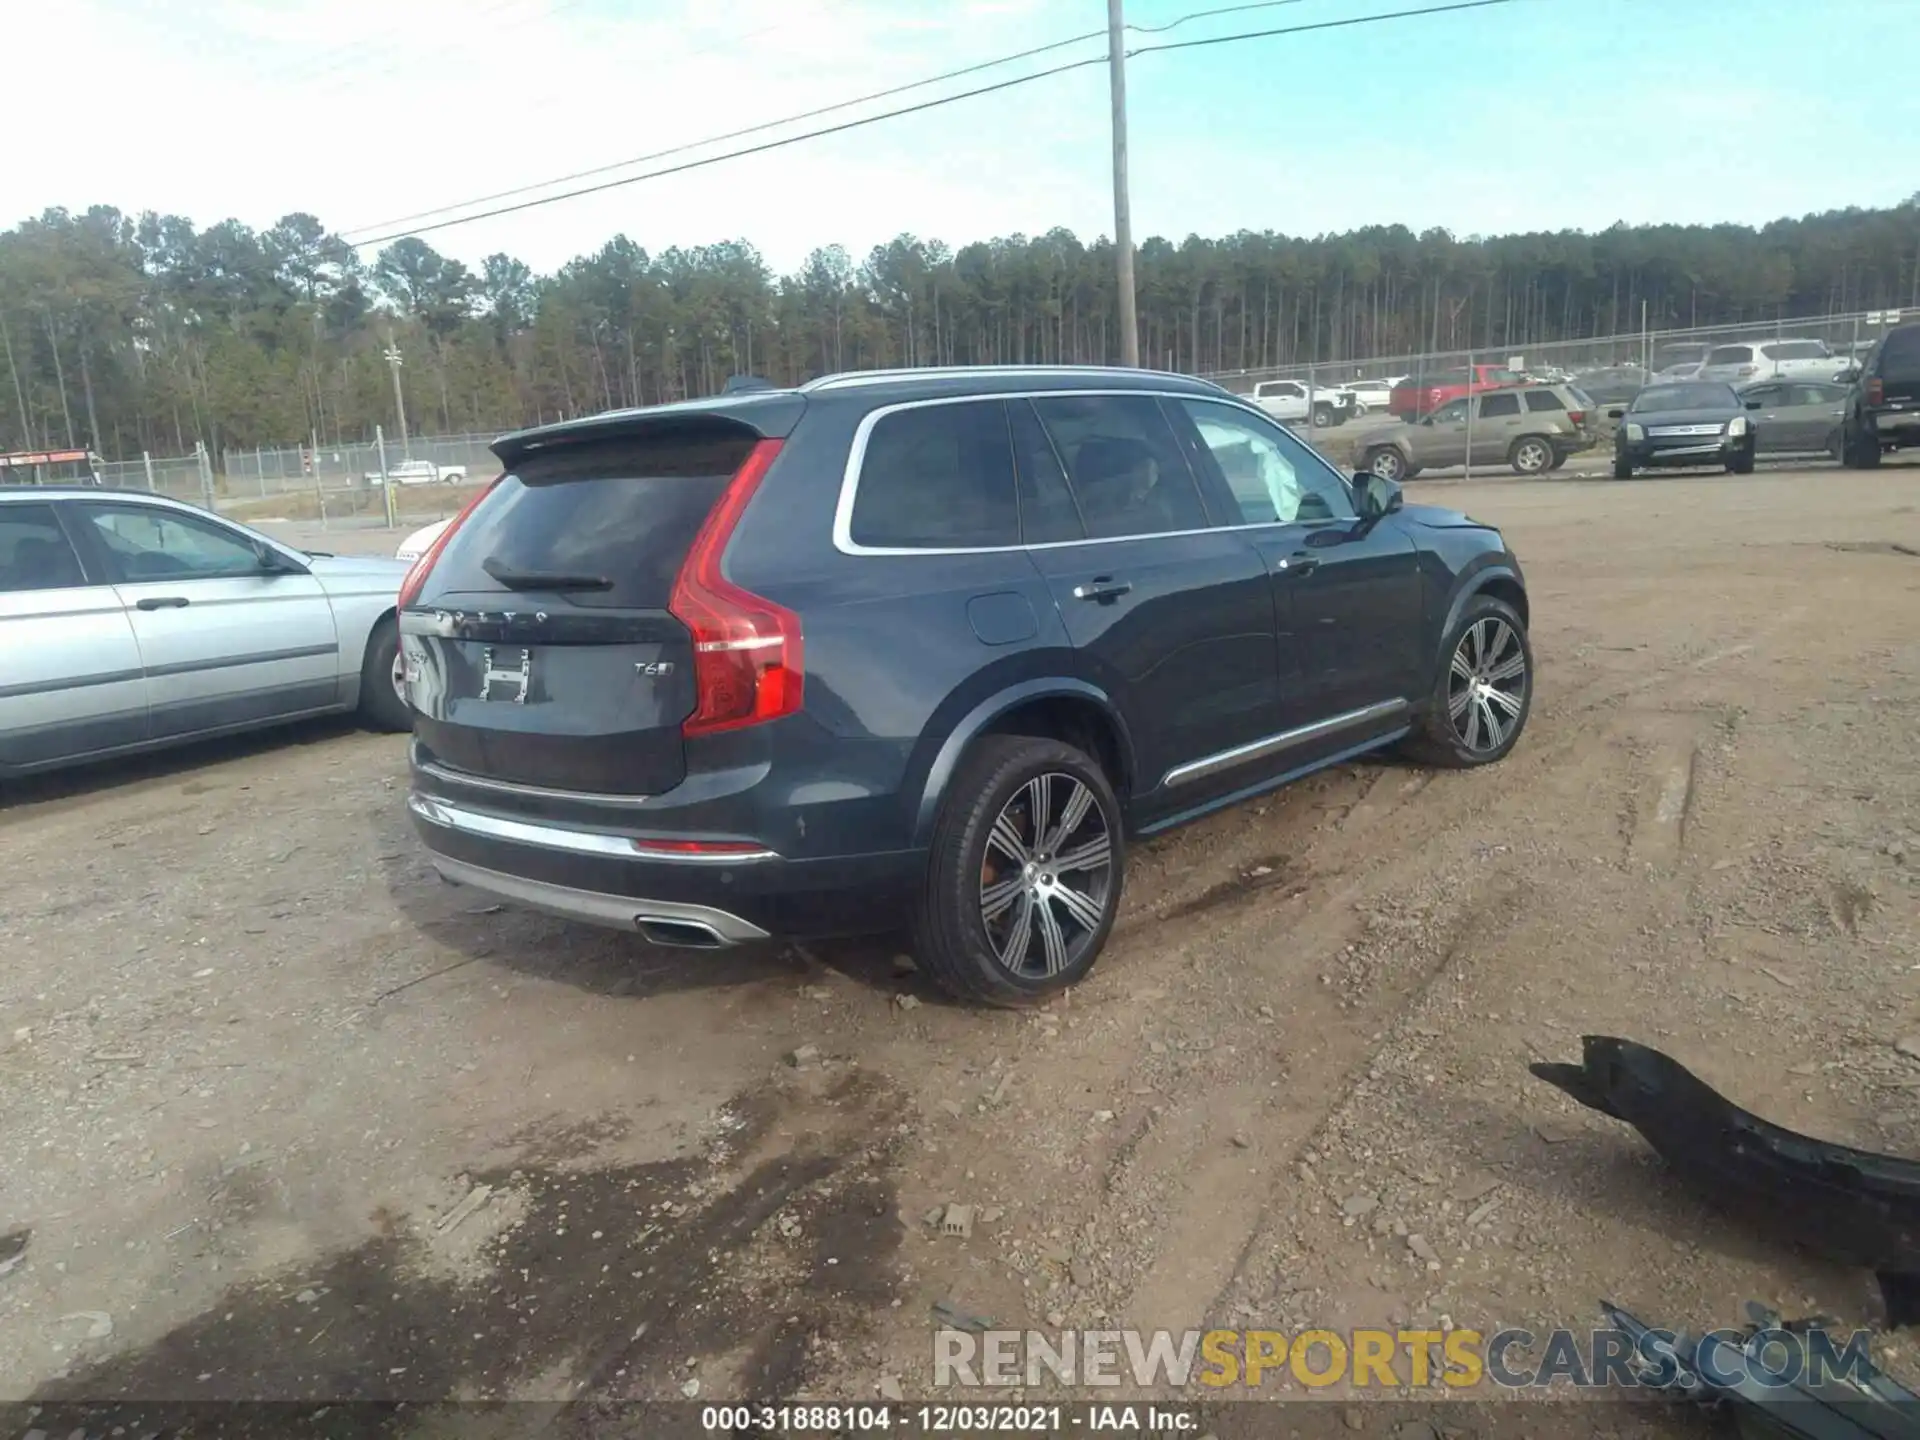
x: 1795, y: 350
x: 938, y: 477
x: 1543, y: 400
x: 1900, y: 356
x: 34, y: 553
x: 1730, y: 355
x: 623, y: 511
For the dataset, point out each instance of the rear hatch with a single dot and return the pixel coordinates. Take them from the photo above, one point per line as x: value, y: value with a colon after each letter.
x: 1899, y: 368
x: 541, y: 650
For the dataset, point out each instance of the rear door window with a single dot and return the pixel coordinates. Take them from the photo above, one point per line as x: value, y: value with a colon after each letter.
x: 1795, y: 350
x: 34, y: 551
x: 1538, y: 400
x: 613, y: 518
x: 1900, y: 354
x: 1730, y: 355
x: 938, y: 477
x: 1048, y: 514
x: 1124, y: 464
x: 1494, y: 407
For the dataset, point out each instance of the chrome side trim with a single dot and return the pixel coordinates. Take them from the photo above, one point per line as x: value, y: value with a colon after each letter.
x: 618, y: 912
x: 525, y: 792
x: 844, y: 542
x: 1273, y: 744
x: 554, y: 837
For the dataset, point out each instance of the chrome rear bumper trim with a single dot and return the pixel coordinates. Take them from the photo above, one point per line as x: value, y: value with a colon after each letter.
x: 616, y: 912
x: 553, y: 837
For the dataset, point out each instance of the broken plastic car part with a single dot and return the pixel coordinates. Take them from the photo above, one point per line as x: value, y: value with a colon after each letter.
x: 1851, y: 1205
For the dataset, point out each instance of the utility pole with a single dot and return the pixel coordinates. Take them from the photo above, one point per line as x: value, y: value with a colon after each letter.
x: 1122, y: 216
x: 392, y: 353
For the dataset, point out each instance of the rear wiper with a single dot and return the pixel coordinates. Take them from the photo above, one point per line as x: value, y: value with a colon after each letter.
x: 543, y: 579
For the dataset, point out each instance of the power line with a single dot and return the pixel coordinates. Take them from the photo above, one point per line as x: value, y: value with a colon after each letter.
x: 1319, y: 25
x: 736, y: 154
x: 924, y: 105
x: 814, y: 114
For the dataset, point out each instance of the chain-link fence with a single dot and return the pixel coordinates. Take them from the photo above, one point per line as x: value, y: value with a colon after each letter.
x: 1640, y: 356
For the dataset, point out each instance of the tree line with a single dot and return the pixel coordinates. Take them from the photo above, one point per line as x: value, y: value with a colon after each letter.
x: 128, y: 333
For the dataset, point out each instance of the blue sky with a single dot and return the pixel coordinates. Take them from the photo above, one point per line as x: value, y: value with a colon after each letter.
x: 1539, y: 114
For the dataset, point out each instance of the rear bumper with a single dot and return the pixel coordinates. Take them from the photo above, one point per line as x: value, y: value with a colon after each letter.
x: 1896, y: 427
x: 581, y: 875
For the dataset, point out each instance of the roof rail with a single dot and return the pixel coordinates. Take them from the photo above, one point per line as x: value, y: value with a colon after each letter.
x: 851, y: 379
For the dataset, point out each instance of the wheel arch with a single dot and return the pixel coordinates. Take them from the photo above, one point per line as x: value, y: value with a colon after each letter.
x: 1497, y: 579
x: 1074, y: 711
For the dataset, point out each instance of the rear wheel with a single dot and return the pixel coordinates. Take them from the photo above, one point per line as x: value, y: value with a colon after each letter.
x: 1484, y: 691
x: 1862, y: 452
x: 1386, y: 462
x: 383, y: 680
x: 1530, y: 455
x: 1025, y: 873
x: 1622, y: 468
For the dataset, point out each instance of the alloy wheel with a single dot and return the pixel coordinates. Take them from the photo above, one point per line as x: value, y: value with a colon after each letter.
x: 399, y: 675
x: 1487, y: 685
x: 1047, y: 879
x: 1387, y: 464
x: 1532, y: 457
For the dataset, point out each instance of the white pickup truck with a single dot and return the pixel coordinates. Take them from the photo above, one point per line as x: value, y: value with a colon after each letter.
x: 1295, y: 400
x: 420, y: 472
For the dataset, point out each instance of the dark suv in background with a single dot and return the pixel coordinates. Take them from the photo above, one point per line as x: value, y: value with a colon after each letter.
x: 1883, y: 407
x: 927, y: 647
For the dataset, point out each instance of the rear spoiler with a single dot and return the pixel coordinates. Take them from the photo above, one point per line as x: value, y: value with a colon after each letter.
x: 766, y: 414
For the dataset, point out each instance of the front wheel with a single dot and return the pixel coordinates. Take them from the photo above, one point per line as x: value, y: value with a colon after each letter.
x: 1322, y: 417
x: 1484, y: 691
x: 1622, y: 468
x: 1530, y: 455
x: 1387, y: 463
x: 1025, y: 873
x: 383, y: 681
x: 1862, y: 452
x: 1742, y: 463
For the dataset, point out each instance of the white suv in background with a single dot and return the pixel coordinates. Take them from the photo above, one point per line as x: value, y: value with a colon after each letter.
x: 1744, y: 363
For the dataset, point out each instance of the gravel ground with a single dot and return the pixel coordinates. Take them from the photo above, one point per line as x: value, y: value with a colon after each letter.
x: 287, y: 1118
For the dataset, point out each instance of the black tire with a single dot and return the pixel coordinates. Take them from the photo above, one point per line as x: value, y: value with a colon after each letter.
x: 1741, y: 464
x: 1559, y: 459
x: 1622, y: 468
x: 1531, y: 455
x: 956, y: 942
x: 381, y: 707
x: 1862, y: 452
x: 1385, y: 455
x: 1837, y: 447
x: 1441, y: 739
x: 1323, y: 417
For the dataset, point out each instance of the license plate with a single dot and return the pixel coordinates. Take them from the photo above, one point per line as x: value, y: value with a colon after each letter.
x: 506, y: 674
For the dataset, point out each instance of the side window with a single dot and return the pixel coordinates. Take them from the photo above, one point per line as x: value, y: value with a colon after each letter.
x: 1047, y: 512
x: 1274, y: 478
x: 1730, y: 355
x: 34, y: 552
x: 1539, y: 400
x: 938, y: 477
x: 1493, y: 407
x: 1454, y: 412
x: 148, y: 543
x: 1124, y: 464
x: 1814, y: 395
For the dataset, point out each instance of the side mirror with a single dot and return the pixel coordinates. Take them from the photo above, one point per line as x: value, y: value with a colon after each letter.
x: 272, y: 562
x: 1374, y: 496
x: 1616, y: 413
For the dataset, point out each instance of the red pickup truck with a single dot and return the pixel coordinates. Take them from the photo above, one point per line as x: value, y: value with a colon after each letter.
x: 1419, y: 395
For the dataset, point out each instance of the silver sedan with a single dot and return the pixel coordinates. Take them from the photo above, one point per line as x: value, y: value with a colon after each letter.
x: 129, y: 621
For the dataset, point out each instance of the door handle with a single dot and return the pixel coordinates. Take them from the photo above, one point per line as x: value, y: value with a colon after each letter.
x: 1102, y: 588
x: 1299, y: 565
x: 161, y: 602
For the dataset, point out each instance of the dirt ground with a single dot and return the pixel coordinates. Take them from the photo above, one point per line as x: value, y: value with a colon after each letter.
x: 286, y: 1117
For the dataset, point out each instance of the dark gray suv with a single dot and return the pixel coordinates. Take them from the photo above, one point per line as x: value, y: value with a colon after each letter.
x: 923, y: 648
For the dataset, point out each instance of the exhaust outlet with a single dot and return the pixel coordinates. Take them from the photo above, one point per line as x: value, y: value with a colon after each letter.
x: 679, y: 934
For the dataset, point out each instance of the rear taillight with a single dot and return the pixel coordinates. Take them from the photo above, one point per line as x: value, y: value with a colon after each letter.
x: 748, y: 661
x: 1876, y: 392
x: 416, y: 578
x: 1578, y: 417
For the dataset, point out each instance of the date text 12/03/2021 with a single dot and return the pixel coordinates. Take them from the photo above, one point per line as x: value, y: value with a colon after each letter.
x: 962, y: 1419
